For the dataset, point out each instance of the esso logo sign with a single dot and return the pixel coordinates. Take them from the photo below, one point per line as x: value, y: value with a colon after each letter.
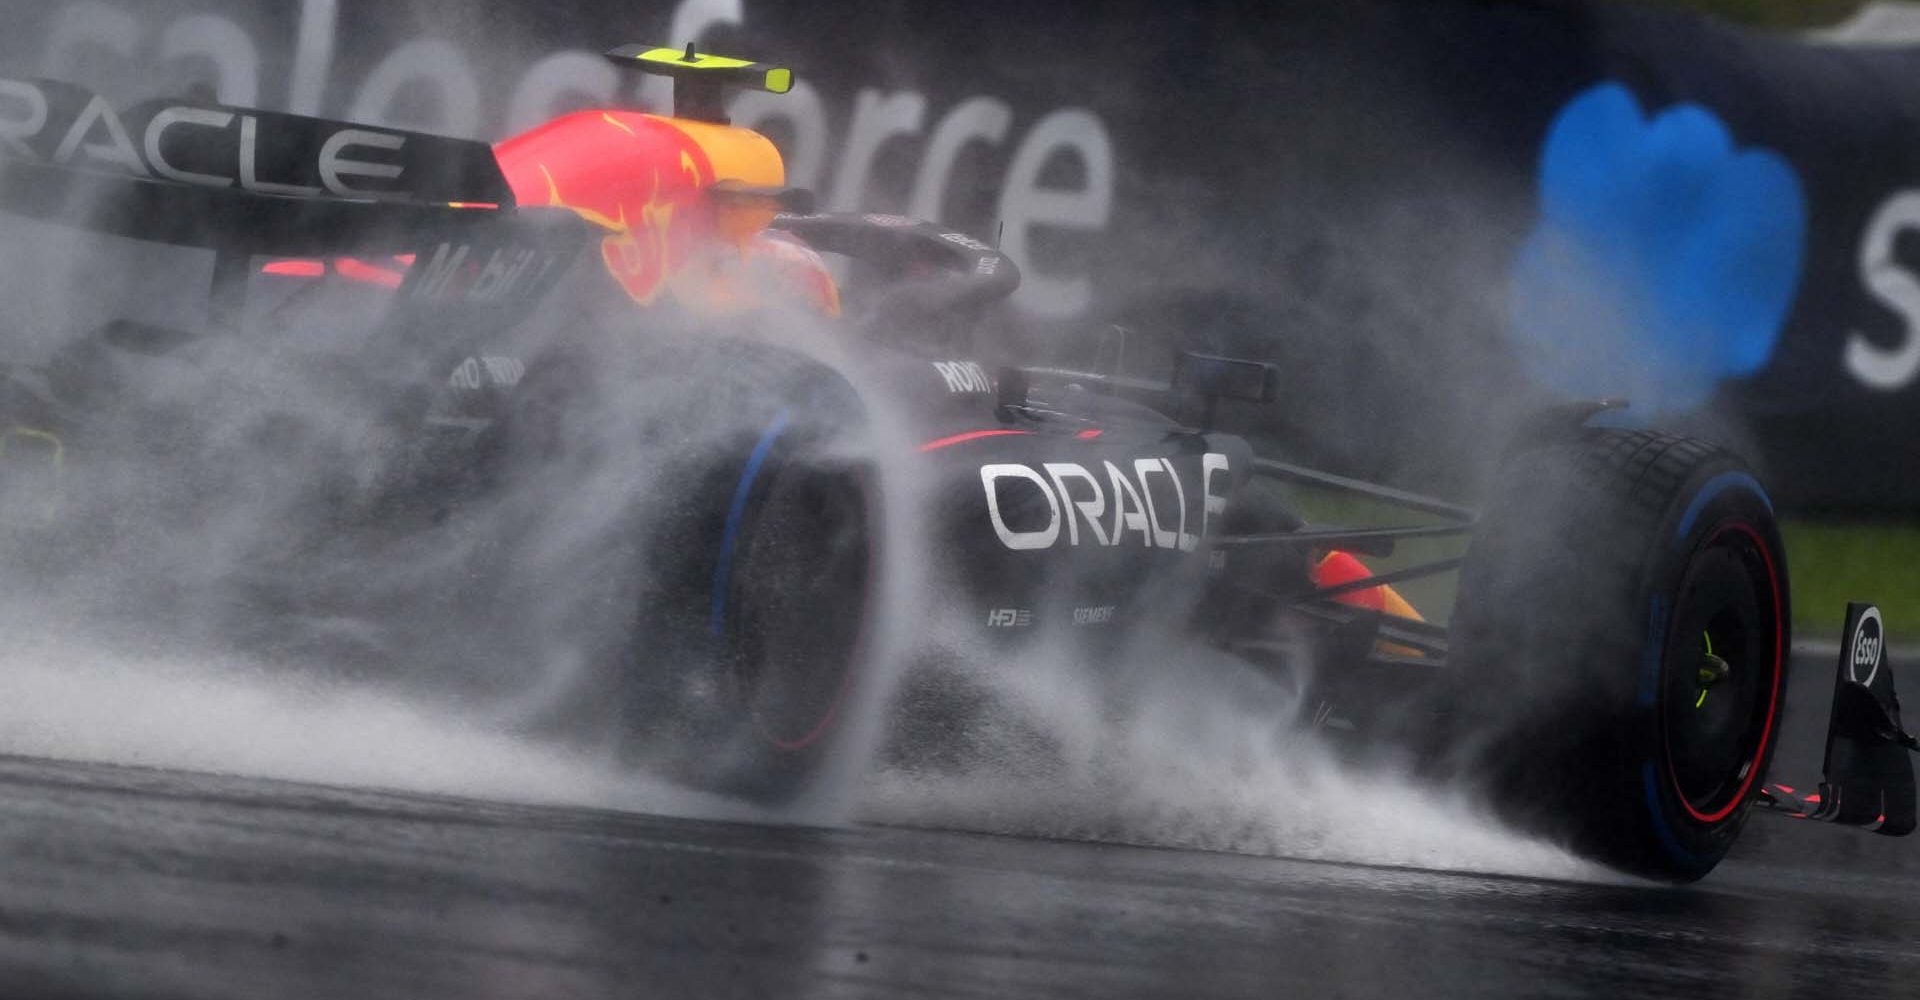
x: 1866, y: 650
x: 1868, y: 638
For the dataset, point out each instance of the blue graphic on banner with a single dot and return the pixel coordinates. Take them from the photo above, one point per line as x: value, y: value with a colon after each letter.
x: 1665, y: 260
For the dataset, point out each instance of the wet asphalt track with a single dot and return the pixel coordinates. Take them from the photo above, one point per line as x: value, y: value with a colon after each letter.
x: 117, y: 882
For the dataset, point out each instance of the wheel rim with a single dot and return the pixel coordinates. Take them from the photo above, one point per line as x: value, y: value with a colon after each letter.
x: 1722, y: 677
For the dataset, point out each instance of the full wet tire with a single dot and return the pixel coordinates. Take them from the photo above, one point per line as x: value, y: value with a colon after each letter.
x: 1620, y: 639
x: 751, y: 601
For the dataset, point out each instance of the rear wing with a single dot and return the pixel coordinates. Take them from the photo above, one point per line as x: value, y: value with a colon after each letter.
x: 245, y: 183
x: 221, y: 147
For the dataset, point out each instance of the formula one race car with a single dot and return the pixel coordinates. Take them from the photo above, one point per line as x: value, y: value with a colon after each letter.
x: 476, y: 434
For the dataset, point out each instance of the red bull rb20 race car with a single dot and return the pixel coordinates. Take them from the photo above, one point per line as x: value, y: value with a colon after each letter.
x: 1611, y: 673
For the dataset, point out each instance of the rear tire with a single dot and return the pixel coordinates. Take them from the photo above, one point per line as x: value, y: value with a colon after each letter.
x: 751, y: 603
x: 1621, y: 635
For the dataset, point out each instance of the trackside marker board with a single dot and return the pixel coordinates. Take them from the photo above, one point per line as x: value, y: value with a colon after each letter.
x: 1868, y: 770
x: 1869, y: 774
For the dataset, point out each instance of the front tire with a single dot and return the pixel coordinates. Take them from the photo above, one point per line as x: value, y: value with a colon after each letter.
x: 1621, y: 636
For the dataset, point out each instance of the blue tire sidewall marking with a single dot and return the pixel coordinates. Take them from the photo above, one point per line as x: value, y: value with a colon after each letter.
x: 1657, y: 617
x: 1656, y: 644
x: 1650, y: 779
x: 1714, y: 487
x: 737, y: 513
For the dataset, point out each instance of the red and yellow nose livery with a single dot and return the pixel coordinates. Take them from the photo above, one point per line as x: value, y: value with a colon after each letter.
x: 649, y: 181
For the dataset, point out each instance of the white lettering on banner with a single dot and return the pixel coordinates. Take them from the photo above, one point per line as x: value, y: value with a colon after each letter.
x: 806, y: 116
x: 556, y: 78
x: 91, y: 23
x: 431, y: 84
x: 312, y: 56
x: 23, y: 114
x: 223, y: 44
x: 1889, y: 368
x: 877, y: 118
x: 977, y: 119
x: 438, y: 64
x: 1024, y: 205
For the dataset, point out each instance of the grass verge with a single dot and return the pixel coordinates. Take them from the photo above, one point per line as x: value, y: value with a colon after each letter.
x: 1831, y: 563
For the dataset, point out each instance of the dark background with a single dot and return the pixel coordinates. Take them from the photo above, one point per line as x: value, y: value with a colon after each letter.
x: 1338, y: 188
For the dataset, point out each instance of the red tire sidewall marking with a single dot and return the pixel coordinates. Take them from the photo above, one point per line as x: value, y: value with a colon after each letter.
x: 1773, y: 695
x: 856, y: 657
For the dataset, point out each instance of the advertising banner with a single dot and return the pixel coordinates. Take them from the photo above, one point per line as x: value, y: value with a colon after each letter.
x: 1433, y: 216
